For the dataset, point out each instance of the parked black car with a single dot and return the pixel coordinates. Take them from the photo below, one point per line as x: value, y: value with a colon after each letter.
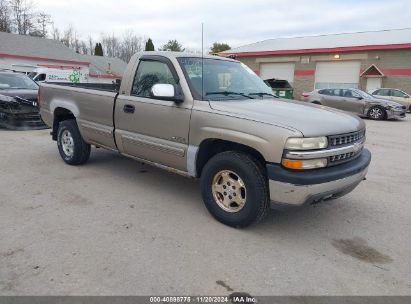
x: 18, y: 102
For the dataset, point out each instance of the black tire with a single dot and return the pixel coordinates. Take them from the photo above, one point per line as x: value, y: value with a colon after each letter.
x: 317, y: 103
x: 251, y: 173
x: 80, y: 151
x: 377, y: 113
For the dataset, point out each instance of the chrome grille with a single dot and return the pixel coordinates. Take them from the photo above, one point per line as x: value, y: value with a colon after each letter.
x: 344, y: 139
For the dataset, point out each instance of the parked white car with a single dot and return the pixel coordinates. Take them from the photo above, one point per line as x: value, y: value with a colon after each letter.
x: 394, y: 95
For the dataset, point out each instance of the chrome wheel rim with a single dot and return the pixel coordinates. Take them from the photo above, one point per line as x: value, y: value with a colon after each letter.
x: 229, y: 191
x: 376, y: 113
x: 67, y: 143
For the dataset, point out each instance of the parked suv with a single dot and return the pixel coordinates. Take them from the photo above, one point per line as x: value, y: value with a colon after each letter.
x: 394, y: 95
x: 356, y: 101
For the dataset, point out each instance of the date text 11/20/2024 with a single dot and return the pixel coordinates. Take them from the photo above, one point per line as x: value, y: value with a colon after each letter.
x: 240, y: 298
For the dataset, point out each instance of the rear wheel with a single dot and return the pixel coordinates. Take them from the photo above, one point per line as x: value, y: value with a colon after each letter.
x: 316, y: 102
x: 73, y: 149
x: 377, y: 113
x: 235, y: 189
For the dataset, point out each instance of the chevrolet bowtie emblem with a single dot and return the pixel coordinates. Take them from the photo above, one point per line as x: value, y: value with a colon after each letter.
x: 357, y: 147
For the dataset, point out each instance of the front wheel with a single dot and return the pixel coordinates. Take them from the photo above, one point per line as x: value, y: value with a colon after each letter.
x: 235, y: 189
x: 377, y: 113
x: 73, y: 149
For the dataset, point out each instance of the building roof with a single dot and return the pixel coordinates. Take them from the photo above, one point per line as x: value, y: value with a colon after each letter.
x: 35, y: 48
x: 375, y: 40
x: 20, y: 46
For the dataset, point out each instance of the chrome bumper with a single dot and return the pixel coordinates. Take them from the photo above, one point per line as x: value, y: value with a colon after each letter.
x: 297, y: 188
x: 284, y: 193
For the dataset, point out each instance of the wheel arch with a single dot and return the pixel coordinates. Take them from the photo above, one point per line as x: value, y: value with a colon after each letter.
x: 60, y: 114
x: 212, y: 146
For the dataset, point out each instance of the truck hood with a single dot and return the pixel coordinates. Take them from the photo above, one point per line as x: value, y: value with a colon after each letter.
x: 309, y: 119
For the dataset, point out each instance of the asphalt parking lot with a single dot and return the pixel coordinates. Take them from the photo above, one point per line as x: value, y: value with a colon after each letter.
x: 117, y: 227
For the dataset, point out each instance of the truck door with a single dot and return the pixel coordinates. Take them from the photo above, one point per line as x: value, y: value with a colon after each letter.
x: 148, y: 128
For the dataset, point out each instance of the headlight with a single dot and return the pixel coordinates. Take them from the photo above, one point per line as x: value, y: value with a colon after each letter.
x: 304, y: 164
x: 310, y: 143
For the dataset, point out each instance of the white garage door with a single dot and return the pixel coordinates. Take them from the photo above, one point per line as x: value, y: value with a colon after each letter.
x: 283, y: 71
x: 343, y: 74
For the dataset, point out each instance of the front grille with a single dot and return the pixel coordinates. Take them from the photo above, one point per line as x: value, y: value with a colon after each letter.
x: 344, y: 139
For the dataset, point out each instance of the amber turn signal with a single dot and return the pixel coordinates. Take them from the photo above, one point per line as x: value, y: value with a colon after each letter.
x: 292, y: 164
x: 304, y: 164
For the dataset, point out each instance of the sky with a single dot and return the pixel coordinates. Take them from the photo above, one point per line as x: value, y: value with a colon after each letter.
x: 236, y: 22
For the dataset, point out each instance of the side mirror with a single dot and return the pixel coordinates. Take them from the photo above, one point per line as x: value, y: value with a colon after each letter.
x: 359, y: 97
x: 165, y: 91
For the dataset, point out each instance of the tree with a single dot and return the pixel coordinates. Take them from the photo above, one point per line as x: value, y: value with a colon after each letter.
x: 98, y: 50
x: 43, y: 20
x: 90, y: 45
x: 110, y: 45
x: 149, y: 45
x: 220, y: 47
x: 5, y: 21
x: 172, y: 45
x: 23, y: 16
x: 55, y: 33
x: 129, y: 45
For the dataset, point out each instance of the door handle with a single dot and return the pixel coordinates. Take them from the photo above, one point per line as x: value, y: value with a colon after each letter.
x: 128, y: 108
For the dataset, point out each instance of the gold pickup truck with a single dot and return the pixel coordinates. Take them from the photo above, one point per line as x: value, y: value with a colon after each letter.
x: 212, y: 118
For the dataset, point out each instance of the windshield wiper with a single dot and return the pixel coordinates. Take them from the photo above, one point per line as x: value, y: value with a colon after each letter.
x: 226, y: 93
x: 261, y: 94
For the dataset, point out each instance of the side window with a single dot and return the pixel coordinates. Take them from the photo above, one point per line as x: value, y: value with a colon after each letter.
x: 355, y: 94
x: 149, y: 73
x: 41, y: 77
x: 324, y: 92
x: 347, y: 93
x: 384, y: 92
x: 335, y: 92
x: 377, y: 92
x: 397, y: 93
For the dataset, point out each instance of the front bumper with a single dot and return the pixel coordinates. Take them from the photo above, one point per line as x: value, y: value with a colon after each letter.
x: 17, y: 116
x: 311, y: 186
x: 396, y: 113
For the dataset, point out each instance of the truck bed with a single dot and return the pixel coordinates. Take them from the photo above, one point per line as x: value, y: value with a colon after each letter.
x: 91, y: 104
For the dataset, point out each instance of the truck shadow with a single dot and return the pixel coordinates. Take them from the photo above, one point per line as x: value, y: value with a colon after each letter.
x: 187, y: 192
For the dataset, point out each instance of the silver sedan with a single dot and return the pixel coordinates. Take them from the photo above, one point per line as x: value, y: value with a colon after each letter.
x: 356, y: 101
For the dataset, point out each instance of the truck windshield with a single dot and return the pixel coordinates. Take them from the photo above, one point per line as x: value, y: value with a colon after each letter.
x: 16, y: 81
x: 223, y: 79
